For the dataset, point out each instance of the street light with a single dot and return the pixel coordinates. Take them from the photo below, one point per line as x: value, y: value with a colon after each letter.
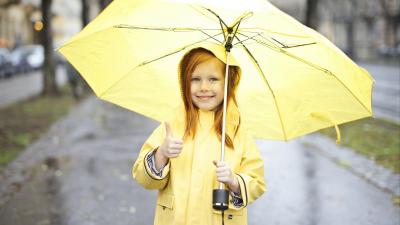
x: 38, y: 25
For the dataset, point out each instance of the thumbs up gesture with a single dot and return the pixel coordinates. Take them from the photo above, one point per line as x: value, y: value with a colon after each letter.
x: 172, y: 147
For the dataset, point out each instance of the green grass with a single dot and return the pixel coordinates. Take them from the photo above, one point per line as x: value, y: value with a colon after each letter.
x: 375, y: 138
x: 23, y: 122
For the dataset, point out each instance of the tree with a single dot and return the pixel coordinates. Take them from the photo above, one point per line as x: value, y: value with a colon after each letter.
x: 77, y: 84
x: 312, y: 14
x: 350, y: 27
x: 391, y: 14
x: 345, y: 12
x: 49, y: 75
x: 85, y: 13
x: 104, y: 3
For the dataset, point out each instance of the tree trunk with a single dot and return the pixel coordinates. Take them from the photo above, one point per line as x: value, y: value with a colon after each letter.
x: 85, y: 13
x: 350, y: 28
x: 49, y: 75
x: 104, y: 3
x: 312, y: 14
x: 392, y: 18
x: 350, y: 39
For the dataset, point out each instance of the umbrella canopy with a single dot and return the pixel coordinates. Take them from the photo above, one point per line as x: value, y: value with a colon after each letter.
x: 294, y: 81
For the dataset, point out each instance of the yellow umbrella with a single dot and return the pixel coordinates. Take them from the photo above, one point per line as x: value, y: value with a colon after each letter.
x: 294, y: 80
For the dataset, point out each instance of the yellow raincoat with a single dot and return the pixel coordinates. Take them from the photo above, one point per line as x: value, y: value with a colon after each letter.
x: 186, y: 185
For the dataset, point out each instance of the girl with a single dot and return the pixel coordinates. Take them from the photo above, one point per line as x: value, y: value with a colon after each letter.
x: 180, y: 158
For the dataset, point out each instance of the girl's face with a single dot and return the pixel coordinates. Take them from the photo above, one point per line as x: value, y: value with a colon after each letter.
x: 207, y: 84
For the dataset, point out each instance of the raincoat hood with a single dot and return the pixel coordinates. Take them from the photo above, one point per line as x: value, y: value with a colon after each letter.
x: 233, y: 114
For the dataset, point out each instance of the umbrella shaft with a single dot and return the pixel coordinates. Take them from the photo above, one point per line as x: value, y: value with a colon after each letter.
x: 224, y: 113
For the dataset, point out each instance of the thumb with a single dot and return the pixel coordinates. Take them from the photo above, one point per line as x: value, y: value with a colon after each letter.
x: 168, y: 129
x: 215, y: 162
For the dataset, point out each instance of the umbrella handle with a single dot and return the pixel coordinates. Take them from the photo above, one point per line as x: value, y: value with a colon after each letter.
x: 220, y: 199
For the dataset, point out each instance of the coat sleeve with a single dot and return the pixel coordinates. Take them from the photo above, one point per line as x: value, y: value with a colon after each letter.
x: 141, y: 170
x: 251, y: 172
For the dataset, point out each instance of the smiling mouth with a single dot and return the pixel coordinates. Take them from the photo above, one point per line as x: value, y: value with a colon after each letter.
x: 204, y: 97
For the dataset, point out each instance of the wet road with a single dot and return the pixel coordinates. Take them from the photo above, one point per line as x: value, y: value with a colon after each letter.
x: 386, y: 91
x: 80, y: 174
x: 305, y: 187
x: 23, y: 86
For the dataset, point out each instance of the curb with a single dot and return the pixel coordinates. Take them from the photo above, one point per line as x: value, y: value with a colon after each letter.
x: 361, y: 166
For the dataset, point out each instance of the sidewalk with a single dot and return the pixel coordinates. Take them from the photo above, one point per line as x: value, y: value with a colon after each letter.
x: 359, y: 165
x: 79, y: 172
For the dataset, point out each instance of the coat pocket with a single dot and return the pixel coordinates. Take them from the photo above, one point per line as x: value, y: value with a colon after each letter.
x: 166, y: 201
x: 164, y: 209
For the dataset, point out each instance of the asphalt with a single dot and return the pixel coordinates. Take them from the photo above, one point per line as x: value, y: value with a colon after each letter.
x: 24, y: 85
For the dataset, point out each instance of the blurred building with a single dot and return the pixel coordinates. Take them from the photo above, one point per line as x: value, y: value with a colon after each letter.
x: 369, y: 28
x: 16, y: 24
x: 20, y: 20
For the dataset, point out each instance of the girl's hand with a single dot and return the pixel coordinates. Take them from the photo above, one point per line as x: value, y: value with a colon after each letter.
x: 172, y: 147
x: 225, y: 175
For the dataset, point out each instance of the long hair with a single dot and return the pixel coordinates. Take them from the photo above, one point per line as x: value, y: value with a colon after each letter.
x: 186, y: 67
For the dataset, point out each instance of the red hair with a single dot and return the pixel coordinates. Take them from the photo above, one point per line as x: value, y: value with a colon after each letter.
x: 186, y: 67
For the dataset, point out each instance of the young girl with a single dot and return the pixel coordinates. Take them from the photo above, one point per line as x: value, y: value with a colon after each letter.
x: 181, y: 156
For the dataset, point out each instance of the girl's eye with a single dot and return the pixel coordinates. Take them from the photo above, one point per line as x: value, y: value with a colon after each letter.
x: 195, y: 79
x: 214, y: 79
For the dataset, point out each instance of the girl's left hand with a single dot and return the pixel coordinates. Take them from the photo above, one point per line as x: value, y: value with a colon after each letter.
x: 224, y: 173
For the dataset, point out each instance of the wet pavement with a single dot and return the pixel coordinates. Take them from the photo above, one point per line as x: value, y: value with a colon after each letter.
x: 16, y: 88
x: 306, y: 187
x: 80, y: 173
x: 386, y: 90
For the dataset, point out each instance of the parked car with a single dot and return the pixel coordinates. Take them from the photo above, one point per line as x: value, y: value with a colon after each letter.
x: 35, y: 56
x: 387, y: 51
x: 19, y: 60
x: 6, y: 69
x: 27, y: 57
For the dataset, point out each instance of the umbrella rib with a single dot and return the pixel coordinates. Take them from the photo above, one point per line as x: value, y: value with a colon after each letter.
x: 256, y: 30
x: 248, y: 38
x: 199, y: 11
x: 171, y: 53
x: 215, y: 14
x: 244, y: 16
x: 269, y: 87
x: 273, y: 46
x: 300, y: 45
x: 212, y: 36
x: 326, y: 71
x: 281, y: 43
x: 289, y: 46
x: 150, y: 61
x: 174, y: 29
x: 211, y: 18
x: 281, y: 50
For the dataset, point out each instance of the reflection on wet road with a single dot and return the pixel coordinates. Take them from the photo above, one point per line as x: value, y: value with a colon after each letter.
x: 304, y: 187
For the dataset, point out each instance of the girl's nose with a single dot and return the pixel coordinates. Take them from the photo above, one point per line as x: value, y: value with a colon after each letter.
x: 204, y: 85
